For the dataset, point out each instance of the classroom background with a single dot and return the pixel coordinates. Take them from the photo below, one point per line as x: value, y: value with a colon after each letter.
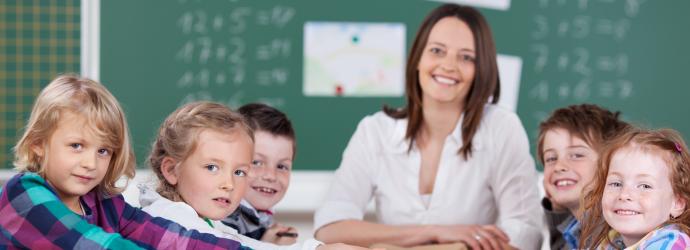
x: 329, y: 63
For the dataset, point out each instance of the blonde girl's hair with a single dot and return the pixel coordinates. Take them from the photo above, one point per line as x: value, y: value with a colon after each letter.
x: 177, y: 136
x: 91, y: 100
x: 666, y: 143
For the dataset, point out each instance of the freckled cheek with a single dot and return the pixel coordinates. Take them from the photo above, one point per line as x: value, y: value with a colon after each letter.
x: 652, y: 199
x: 607, y: 199
x: 255, y: 173
x: 609, y: 193
x: 548, y: 172
x: 587, y: 168
x: 606, y: 206
x: 285, y: 179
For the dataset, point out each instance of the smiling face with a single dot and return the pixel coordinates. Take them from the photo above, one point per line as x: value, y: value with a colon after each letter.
x: 270, y: 173
x: 76, y: 160
x: 447, y: 66
x: 638, y: 196
x: 212, y: 179
x: 569, y: 165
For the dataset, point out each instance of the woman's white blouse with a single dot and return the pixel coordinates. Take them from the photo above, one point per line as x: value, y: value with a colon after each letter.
x: 497, y: 185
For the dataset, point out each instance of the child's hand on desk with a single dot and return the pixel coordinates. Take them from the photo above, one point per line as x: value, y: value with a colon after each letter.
x: 280, y: 235
x: 485, y: 237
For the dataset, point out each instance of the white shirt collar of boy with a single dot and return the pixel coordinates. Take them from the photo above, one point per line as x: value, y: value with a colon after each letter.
x: 265, y: 218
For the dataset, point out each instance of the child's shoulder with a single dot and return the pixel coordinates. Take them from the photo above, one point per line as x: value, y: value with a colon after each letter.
x: 246, y: 218
x: 24, y: 182
x: 667, y: 237
x: 26, y: 177
x: 158, y: 206
x: 30, y: 189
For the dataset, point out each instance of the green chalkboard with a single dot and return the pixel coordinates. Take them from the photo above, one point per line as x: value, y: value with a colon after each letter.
x: 157, y: 55
x: 624, y: 55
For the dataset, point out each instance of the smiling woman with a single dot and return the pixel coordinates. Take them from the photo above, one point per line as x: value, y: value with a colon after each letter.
x: 446, y: 69
x: 448, y: 167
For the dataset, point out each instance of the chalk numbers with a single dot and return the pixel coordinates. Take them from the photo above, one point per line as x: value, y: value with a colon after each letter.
x: 566, y: 68
x: 215, y: 52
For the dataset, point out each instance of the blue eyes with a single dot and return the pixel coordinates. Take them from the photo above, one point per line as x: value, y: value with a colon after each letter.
x: 615, y: 184
x: 212, y: 167
x: 257, y: 163
x: 215, y: 168
x: 619, y: 184
x: 240, y: 173
x: 260, y: 163
x: 104, y: 152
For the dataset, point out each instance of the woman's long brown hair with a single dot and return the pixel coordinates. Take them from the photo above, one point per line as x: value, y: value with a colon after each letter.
x: 485, y: 87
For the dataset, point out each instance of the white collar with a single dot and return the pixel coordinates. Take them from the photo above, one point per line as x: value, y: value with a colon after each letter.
x: 401, y: 144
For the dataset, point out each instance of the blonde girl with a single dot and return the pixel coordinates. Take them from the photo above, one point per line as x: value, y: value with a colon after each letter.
x: 639, y: 195
x: 73, y: 150
x: 202, y: 156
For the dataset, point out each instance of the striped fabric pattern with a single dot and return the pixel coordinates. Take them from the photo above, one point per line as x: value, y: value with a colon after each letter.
x: 668, y: 237
x: 665, y: 238
x: 32, y: 216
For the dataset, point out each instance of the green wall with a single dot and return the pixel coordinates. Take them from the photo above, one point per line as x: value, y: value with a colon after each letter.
x: 624, y: 55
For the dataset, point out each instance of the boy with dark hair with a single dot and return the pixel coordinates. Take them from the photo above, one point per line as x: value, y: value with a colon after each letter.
x: 269, y: 176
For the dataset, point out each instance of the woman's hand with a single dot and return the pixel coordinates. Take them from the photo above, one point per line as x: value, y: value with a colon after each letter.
x: 485, y: 237
x: 280, y: 235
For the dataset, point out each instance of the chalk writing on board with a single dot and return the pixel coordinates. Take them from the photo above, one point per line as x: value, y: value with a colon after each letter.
x: 216, y: 57
x: 630, y: 7
x: 579, y: 27
x: 569, y: 67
